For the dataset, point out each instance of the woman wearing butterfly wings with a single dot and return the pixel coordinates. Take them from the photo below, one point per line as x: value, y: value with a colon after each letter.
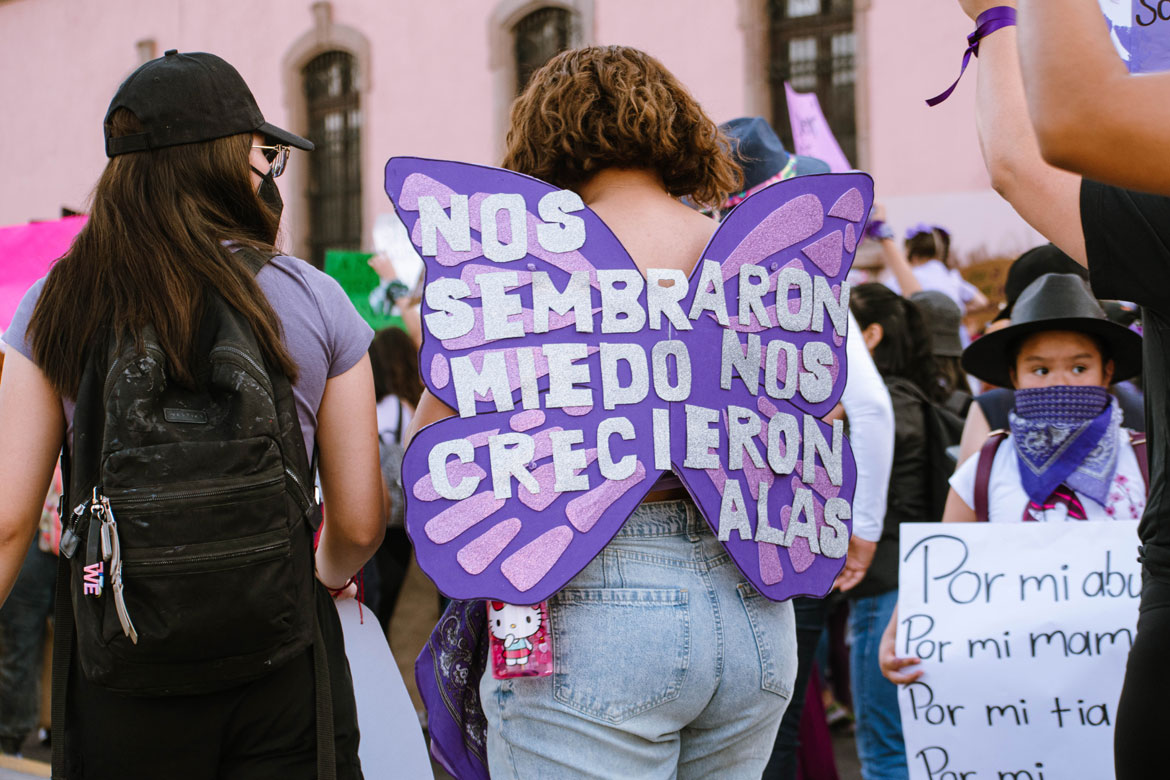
x: 659, y: 669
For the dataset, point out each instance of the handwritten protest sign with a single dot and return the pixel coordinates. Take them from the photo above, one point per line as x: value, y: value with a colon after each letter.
x: 811, y: 134
x: 1023, y: 631
x: 576, y: 381
x: 1140, y: 31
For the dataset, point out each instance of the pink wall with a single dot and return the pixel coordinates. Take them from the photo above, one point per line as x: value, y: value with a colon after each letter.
x: 431, y: 91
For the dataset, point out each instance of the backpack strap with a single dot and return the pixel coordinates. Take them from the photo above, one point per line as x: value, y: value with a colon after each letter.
x: 326, y: 758
x: 62, y: 635
x: 1138, y: 442
x: 983, y: 472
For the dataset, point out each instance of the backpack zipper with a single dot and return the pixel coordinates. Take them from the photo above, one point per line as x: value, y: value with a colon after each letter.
x: 259, y: 374
x: 135, y: 565
x: 204, y: 493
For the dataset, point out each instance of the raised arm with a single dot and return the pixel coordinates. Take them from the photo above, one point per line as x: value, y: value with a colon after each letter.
x: 1046, y: 197
x: 1092, y: 117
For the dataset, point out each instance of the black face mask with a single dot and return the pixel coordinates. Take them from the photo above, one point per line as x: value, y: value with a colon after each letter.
x: 269, y: 193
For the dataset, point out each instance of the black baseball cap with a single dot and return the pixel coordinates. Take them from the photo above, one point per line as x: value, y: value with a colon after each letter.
x: 187, y: 98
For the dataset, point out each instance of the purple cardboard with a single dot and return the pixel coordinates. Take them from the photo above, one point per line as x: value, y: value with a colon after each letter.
x: 524, y: 547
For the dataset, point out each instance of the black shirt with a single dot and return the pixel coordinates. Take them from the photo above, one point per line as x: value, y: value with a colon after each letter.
x: 1127, y: 237
x: 909, y: 495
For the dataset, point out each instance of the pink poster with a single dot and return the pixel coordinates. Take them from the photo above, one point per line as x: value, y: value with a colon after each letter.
x: 811, y: 134
x: 26, y: 252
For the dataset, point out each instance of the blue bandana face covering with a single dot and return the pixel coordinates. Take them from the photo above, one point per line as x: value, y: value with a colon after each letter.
x: 1066, y: 435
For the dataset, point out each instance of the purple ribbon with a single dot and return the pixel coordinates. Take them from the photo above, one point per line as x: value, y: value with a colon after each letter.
x: 987, y: 22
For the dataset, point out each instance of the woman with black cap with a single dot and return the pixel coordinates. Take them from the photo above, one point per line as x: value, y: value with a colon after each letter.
x: 183, y: 215
x: 1067, y: 456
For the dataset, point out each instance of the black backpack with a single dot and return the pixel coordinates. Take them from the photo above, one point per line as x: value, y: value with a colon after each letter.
x: 944, y: 429
x: 187, y: 557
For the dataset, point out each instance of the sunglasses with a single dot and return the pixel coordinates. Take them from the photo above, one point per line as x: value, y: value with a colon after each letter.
x: 277, y: 157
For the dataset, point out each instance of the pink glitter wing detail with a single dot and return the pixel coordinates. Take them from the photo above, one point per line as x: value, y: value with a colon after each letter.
x: 528, y: 565
x: 793, y: 222
x: 479, y: 553
x: 440, y: 371
x: 771, y: 569
x: 526, y: 420
x: 850, y: 206
x: 546, y: 477
x: 850, y: 238
x: 826, y: 253
x: 456, y: 519
x: 584, y: 511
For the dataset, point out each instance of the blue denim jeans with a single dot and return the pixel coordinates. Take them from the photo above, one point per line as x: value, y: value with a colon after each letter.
x: 875, y: 699
x: 22, y: 643
x: 667, y: 664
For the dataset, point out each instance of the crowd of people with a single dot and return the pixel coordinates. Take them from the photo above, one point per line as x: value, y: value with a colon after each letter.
x: 191, y: 319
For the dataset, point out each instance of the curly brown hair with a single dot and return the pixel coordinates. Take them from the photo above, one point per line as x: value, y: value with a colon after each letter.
x: 617, y: 107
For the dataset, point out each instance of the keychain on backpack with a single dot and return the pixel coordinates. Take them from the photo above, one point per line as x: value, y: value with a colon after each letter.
x: 521, y: 640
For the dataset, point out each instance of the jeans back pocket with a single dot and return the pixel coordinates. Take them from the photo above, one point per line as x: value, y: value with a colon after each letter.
x: 638, y: 637
x: 774, y: 627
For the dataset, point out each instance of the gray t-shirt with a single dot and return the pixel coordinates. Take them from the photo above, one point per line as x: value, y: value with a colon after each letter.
x: 322, y: 331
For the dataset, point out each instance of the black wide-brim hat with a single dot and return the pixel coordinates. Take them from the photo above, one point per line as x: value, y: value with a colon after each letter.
x: 189, y: 98
x: 1053, y: 302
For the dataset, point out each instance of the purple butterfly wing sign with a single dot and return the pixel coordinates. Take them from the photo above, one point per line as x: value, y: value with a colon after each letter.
x: 540, y: 466
x: 770, y: 299
x: 571, y: 376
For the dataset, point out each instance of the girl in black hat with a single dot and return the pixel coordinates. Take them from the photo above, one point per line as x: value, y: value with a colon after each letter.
x: 183, y: 214
x: 1067, y: 457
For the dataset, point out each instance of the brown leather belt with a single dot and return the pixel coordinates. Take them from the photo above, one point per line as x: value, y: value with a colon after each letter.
x: 674, y: 494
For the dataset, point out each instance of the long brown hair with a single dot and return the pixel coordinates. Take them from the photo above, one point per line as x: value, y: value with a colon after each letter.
x: 394, y: 360
x: 617, y: 107
x: 154, y: 244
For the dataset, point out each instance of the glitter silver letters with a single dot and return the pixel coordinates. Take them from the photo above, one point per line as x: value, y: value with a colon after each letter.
x: 772, y: 369
x: 803, y: 521
x: 489, y: 227
x: 498, y: 305
x: 824, y: 302
x: 765, y: 531
x: 567, y: 461
x: 665, y: 300
x: 815, y: 444
x: 627, y: 465
x: 702, y: 438
x: 437, y: 463
x: 452, y: 317
x: 613, y: 394
x: 816, y: 383
x: 746, y: 364
x: 554, y: 208
x: 662, y: 439
x: 713, y: 300
x: 783, y: 424
x: 546, y: 298
x: 834, y: 536
x: 491, y: 380
x: 433, y: 219
x: 624, y: 300
x: 785, y: 317
x: 563, y: 375
x: 753, y: 284
x: 743, y: 424
x: 526, y: 368
x: 510, y: 455
x: 681, y: 389
x: 733, y: 513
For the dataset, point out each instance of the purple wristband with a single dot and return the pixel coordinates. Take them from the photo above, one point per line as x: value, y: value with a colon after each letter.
x: 988, y: 22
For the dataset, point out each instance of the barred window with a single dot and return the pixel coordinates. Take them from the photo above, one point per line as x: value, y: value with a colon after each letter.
x: 335, y: 180
x: 813, y: 47
x: 540, y: 36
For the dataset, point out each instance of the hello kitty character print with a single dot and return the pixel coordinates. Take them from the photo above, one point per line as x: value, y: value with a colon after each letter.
x: 519, y: 639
